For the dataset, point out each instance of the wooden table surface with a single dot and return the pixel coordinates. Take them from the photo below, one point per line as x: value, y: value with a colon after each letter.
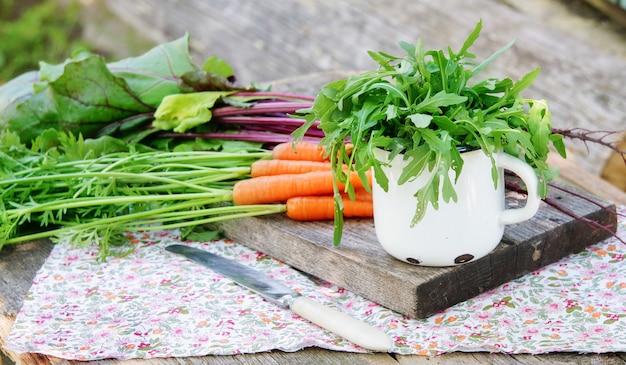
x: 583, y: 72
x: 582, y: 59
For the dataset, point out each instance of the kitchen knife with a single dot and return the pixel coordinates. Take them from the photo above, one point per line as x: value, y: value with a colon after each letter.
x: 340, y: 323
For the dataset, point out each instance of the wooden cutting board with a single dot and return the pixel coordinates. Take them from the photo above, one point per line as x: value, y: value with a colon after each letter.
x: 360, y: 264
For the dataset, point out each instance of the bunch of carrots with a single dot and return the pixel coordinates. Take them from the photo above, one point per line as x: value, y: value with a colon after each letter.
x: 300, y: 177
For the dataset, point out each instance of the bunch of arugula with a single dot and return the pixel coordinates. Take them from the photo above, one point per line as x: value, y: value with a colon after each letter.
x: 424, y: 106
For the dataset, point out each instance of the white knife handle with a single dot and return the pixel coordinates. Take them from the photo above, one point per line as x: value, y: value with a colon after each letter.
x: 342, y: 324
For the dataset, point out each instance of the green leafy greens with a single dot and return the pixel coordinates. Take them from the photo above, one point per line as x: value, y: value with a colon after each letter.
x: 89, y: 96
x: 93, y: 191
x: 423, y: 105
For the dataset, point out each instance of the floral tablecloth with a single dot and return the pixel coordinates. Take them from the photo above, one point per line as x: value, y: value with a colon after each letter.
x: 155, y: 304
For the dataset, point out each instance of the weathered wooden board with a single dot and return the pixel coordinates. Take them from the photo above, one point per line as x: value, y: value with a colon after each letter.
x: 362, y: 266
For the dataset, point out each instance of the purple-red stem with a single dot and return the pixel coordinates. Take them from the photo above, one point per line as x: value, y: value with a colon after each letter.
x: 250, y: 136
x: 581, y: 197
x: 280, y: 129
x: 244, y: 120
x: 273, y: 107
x: 598, y: 137
x: 275, y: 95
x: 554, y: 204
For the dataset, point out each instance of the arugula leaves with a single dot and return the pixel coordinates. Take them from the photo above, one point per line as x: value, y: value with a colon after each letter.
x: 424, y: 105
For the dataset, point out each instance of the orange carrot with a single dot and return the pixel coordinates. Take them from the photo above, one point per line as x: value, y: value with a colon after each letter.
x: 282, y: 167
x: 279, y: 188
x: 359, y: 194
x: 314, y: 208
x: 307, y: 151
x: 304, y: 151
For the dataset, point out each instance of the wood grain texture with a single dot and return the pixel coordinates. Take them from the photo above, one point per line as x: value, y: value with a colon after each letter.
x: 268, y: 41
x: 363, y: 267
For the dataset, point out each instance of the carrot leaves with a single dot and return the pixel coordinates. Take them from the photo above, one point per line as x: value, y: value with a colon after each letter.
x: 93, y: 191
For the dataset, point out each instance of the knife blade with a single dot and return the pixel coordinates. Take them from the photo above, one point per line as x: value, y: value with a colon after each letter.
x: 335, y: 321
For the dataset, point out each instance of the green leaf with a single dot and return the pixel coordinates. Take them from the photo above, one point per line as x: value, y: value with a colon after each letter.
x: 201, y: 80
x: 559, y: 145
x: 539, y: 127
x: 181, y: 112
x: 381, y: 177
x: 420, y: 120
x: 16, y: 90
x: 381, y: 60
x: 391, y: 112
x: 471, y: 38
x: 425, y: 195
x: 445, y: 123
x: 440, y: 99
x: 84, y: 97
x: 447, y: 190
x: 418, y: 160
x: 156, y: 73
x: 84, y: 94
x: 218, y: 66
x: 525, y: 81
x: 491, y: 58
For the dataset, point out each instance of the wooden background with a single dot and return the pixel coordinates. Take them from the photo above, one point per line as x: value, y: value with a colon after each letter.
x: 583, y: 60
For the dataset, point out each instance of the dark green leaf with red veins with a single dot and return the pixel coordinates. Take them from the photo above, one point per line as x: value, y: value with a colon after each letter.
x: 84, y: 94
x: 83, y: 98
x: 156, y: 73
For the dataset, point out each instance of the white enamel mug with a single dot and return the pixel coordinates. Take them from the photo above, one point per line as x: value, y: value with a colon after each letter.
x: 458, y: 232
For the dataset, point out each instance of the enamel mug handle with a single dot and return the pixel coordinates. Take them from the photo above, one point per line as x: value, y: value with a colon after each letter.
x: 529, y: 177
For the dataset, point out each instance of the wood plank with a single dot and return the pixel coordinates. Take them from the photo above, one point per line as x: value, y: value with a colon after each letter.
x: 573, y: 175
x: 265, y: 41
x: 16, y: 267
x: 363, y: 267
x: 611, y: 9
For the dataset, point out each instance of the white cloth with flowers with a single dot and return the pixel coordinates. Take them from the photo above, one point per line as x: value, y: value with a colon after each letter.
x: 155, y: 304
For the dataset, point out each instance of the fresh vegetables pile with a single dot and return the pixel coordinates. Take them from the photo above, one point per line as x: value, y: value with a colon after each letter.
x: 160, y: 99
x: 262, y: 117
x: 90, y: 150
x: 97, y: 190
x: 93, y: 191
